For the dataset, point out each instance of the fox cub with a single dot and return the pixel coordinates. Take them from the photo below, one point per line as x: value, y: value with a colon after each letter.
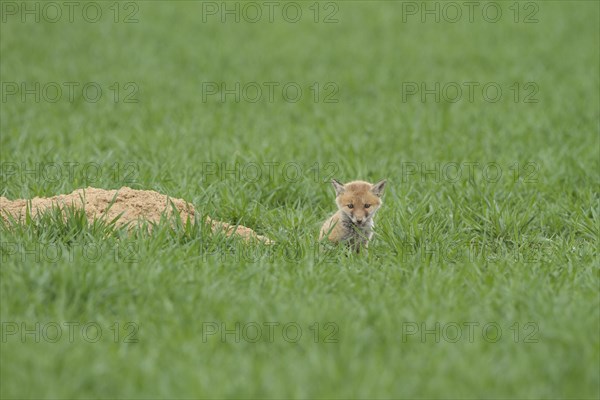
x: 357, y: 202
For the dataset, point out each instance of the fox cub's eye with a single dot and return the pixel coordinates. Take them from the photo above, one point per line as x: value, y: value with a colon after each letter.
x: 367, y: 205
x: 350, y: 205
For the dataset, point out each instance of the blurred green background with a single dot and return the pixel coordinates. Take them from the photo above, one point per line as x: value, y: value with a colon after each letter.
x: 160, y: 126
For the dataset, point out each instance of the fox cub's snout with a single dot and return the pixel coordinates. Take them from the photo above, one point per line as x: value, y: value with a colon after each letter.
x: 357, y: 202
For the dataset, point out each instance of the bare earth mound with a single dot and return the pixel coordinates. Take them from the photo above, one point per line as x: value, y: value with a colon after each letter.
x: 134, y: 205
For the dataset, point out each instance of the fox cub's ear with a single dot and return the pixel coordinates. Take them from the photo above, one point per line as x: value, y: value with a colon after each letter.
x: 339, y: 187
x: 377, y: 188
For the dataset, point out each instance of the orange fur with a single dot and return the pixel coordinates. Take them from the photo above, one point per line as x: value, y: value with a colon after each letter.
x: 357, y: 202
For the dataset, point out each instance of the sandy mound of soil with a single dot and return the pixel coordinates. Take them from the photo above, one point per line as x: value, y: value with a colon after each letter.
x: 134, y: 205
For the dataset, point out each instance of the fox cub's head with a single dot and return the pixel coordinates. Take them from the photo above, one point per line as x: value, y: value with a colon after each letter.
x: 358, y: 200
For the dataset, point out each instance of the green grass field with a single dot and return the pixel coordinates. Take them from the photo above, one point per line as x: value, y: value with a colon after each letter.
x: 481, y: 282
